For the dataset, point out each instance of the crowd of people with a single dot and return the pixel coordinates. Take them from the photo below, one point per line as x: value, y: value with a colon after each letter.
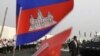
x: 6, y: 45
x: 76, y: 48
x: 74, y: 45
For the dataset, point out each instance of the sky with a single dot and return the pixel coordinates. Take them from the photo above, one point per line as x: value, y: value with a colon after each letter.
x: 85, y: 17
x: 10, y: 18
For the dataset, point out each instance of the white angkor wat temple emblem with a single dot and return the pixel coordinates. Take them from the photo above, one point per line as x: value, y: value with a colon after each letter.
x: 41, y: 22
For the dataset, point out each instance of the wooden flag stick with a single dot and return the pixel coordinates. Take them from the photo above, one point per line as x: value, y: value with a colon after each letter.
x: 3, y: 22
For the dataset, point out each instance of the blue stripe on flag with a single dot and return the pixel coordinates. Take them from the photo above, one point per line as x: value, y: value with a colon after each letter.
x: 31, y: 36
x: 28, y: 4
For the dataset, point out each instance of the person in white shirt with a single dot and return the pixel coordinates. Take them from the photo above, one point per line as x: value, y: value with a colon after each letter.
x: 10, y: 45
x: 4, y: 46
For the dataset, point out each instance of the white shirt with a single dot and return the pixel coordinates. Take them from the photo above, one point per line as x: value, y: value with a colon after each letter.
x: 75, y: 43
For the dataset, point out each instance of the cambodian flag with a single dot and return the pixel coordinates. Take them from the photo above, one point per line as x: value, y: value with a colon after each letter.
x: 35, y: 18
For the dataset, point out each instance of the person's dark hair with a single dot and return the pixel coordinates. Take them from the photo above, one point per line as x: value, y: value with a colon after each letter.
x: 75, y: 37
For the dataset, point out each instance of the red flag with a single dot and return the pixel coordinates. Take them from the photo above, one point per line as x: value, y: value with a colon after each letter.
x: 52, y: 46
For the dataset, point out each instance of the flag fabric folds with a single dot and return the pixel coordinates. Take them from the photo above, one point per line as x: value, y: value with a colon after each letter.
x: 52, y: 46
x: 35, y: 18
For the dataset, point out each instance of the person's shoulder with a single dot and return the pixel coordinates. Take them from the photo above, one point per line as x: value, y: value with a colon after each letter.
x: 72, y: 41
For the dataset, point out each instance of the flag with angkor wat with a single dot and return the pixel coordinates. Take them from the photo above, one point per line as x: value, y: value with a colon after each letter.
x: 35, y: 18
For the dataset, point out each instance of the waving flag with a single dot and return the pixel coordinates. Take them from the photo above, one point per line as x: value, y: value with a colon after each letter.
x: 52, y: 46
x: 35, y: 18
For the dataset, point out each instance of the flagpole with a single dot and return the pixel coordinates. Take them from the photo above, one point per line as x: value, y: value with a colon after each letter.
x: 79, y: 33
x: 3, y: 22
x: 14, y: 48
x: 19, y: 24
x: 16, y: 32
